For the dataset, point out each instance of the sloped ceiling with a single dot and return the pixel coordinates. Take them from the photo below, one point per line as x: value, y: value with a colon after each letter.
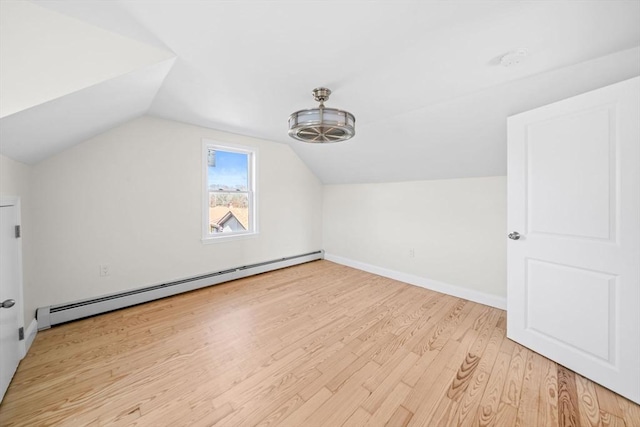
x: 423, y: 78
x: 63, y: 81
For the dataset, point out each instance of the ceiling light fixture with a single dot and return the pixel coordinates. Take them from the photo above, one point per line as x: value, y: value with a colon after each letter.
x: 321, y: 125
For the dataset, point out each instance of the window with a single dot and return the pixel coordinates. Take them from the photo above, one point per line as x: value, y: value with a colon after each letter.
x: 229, y: 191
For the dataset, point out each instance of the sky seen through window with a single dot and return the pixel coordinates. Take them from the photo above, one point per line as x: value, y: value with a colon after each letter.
x: 229, y: 170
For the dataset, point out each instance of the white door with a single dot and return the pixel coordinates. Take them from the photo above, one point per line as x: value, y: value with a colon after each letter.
x: 574, y: 198
x: 10, y: 315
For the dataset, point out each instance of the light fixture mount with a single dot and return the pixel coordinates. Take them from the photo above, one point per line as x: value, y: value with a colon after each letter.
x: 321, y: 124
x: 321, y: 94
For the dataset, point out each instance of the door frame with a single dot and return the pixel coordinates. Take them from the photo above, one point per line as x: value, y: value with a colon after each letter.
x: 15, y: 201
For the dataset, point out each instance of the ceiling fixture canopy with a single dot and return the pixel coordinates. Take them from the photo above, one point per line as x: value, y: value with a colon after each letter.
x: 320, y: 125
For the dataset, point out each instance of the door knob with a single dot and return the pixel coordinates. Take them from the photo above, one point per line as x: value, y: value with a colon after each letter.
x: 8, y: 303
x: 514, y: 235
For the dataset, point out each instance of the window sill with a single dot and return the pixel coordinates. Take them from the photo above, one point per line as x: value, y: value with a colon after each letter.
x: 228, y: 238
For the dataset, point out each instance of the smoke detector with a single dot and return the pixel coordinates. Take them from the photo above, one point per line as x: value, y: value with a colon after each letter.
x: 514, y: 57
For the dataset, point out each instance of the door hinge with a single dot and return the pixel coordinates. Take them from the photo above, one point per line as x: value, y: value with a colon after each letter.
x: 20, y: 334
x: 18, y: 231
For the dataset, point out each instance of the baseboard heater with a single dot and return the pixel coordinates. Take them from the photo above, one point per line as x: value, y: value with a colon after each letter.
x: 62, y: 313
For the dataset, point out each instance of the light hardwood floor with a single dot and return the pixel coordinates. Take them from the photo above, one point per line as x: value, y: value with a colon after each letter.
x: 313, y: 345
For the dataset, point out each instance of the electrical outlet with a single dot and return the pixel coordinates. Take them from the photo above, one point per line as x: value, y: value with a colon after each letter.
x: 105, y: 270
x: 412, y: 253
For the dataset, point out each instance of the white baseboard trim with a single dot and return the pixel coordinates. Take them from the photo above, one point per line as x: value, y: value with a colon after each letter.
x: 29, y: 337
x: 445, y: 288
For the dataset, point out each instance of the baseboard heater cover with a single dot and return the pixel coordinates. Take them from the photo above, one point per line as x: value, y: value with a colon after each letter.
x: 62, y: 313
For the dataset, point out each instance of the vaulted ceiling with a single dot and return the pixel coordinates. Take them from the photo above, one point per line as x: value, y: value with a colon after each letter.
x: 423, y: 78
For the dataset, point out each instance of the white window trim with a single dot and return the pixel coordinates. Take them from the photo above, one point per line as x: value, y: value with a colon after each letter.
x: 207, y: 238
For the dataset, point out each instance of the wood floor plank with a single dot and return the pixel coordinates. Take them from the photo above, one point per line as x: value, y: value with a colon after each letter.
x: 528, y: 407
x: 515, y: 375
x: 444, y: 414
x: 506, y: 415
x: 568, y: 415
x: 630, y: 411
x: 468, y: 406
x: 318, y: 344
x: 346, y: 359
x: 433, y: 374
x: 346, y: 374
x: 402, y: 361
x: 488, y: 408
x: 414, y: 373
x: 359, y: 418
x: 548, y: 394
x: 474, y: 322
x: 385, y: 410
x: 424, y: 411
x: 610, y: 420
x: 608, y: 401
x: 345, y: 401
x: 463, y: 377
x: 490, y: 353
x: 380, y: 391
x: 209, y: 418
x: 272, y: 399
x: 588, y: 406
x: 471, y: 400
x: 444, y: 327
x: 400, y: 418
x: 298, y: 416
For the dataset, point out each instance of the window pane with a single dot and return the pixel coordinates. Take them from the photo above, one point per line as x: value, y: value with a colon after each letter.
x: 228, y: 212
x: 227, y: 171
x: 229, y: 198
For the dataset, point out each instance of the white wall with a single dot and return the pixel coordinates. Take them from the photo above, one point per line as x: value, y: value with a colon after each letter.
x: 456, y: 227
x: 14, y: 177
x: 132, y: 198
x: 14, y: 181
